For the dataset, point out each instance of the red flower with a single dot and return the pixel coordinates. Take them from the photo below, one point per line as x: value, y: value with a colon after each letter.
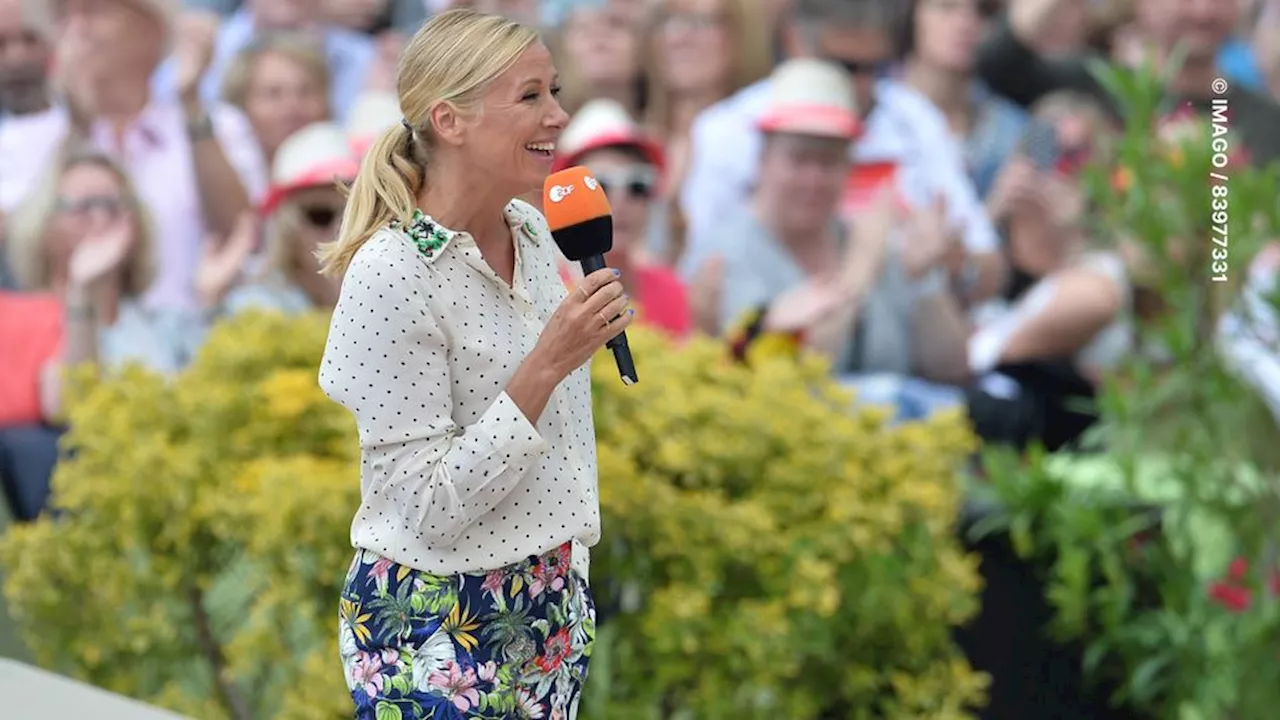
x: 1233, y: 597
x: 554, y: 652
x: 1232, y: 593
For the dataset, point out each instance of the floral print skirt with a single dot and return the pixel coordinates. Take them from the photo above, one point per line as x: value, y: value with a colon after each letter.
x: 509, y: 643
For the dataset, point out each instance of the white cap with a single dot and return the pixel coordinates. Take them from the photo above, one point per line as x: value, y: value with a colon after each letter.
x: 316, y: 155
x: 604, y: 123
x: 811, y: 97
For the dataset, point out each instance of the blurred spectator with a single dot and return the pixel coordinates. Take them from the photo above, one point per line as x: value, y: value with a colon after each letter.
x: 362, y: 16
x: 629, y: 166
x: 700, y: 52
x: 281, y: 83
x: 903, y: 131
x: 1011, y: 62
x: 1266, y: 41
x: 303, y: 210
x: 599, y: 48
x: 404, y: 15
x: 349, y: 54
x: 876, y: 306
x: 86, y: 238
x: 938, y: 41
x: 24, y: 58
x: 195, y: 168
x: 528, y: 12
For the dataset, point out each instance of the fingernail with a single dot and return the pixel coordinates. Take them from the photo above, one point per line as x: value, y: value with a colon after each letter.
x: 617, y: 272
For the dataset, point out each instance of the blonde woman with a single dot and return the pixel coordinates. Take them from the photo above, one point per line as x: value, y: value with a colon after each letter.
x: 302, y: 211
x: 462, y: 357
x: 86, y: 239
x: 281, y: 82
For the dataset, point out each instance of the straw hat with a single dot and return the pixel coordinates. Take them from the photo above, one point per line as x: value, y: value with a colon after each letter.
x: 601, y: 124
x: 315, y: 156
x: 811, y: 97
x: 372, y: 114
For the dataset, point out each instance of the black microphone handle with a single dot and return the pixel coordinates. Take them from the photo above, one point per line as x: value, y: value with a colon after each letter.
x: 618, y: 343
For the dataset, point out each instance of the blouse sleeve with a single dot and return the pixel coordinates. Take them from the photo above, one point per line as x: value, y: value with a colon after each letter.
x: 386, y: 360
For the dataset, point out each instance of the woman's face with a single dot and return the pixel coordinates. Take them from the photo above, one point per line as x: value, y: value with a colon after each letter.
x: 283, y: 97
x: 602, y: 45
x: 512, y: 137
x: 694, y: 44
x: 90, y: 199
x: 630, y: 185
x: 947, y: 33
x: 316, y: 213
x: 312, y: 216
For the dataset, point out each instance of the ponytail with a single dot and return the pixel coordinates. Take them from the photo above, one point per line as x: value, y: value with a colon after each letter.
x: 386, y: 188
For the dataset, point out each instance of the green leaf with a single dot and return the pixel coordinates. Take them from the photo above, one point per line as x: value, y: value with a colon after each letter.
x: 387, y: 711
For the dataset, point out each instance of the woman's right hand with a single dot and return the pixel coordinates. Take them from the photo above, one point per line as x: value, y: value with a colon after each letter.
x: 593, y: 313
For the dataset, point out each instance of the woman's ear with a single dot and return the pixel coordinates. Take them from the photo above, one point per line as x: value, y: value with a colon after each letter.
x: 447, y: 123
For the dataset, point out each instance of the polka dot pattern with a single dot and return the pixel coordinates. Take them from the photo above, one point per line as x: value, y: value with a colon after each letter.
x: 454, y: 478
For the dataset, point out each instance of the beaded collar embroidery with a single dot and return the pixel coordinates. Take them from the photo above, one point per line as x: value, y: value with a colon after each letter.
x: 431, y: 238
x: 428, y: 237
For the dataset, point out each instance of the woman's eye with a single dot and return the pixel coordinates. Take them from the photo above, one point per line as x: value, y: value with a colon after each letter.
x: 555, y: 91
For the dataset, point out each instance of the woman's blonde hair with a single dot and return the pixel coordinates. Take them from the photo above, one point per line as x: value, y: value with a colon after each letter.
x: 452, y: 58
x: 297, y: 48
x: 27, y: 244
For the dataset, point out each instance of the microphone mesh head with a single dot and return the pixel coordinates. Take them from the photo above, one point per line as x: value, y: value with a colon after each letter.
x: 578, y: 213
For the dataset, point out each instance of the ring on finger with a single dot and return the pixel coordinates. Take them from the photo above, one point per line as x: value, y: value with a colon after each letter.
x: 604, y: 321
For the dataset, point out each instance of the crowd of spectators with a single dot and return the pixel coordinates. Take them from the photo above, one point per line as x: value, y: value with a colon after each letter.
x: 892, y: 183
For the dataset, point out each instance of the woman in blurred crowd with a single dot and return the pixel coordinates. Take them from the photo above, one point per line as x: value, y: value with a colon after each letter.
x: 699, y: 52
x: 600, y: 56
x: 629, y: 167
x: 938, y: 41
x: 462, y: 356
x: 82, y: 253
x: 281, y: 82
x: 302, y: 211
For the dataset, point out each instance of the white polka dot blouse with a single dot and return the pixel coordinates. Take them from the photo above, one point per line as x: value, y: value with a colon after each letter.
x: 421, y: 346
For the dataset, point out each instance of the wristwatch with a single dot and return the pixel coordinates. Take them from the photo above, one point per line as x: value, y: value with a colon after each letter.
x: 199, y: 126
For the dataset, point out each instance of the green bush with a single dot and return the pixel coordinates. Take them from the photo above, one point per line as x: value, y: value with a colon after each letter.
x: 1180, y: 433
x: 769, y: 553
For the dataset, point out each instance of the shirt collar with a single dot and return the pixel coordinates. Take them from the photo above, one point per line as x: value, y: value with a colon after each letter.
x: 431, y: 238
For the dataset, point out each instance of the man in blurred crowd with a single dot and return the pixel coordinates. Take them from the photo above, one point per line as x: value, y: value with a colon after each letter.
x: 196, y: 168
x: 1013, y: 64
x: 350, y: 53
x: 879, y: 309
x: 24, y: 60
x: 901, y: 128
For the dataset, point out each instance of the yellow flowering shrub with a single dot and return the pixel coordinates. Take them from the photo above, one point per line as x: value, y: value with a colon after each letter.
x: 767, y: 553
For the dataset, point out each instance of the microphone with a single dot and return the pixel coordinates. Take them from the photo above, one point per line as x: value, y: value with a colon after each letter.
x: 582, y: 224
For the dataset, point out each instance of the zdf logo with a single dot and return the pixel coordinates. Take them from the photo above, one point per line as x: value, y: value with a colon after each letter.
x: 559, y: 192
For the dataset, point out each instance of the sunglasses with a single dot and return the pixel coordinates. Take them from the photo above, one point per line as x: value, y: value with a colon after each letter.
x: 107, y: 204
x: 638, y: 183
x: 321, y: 216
